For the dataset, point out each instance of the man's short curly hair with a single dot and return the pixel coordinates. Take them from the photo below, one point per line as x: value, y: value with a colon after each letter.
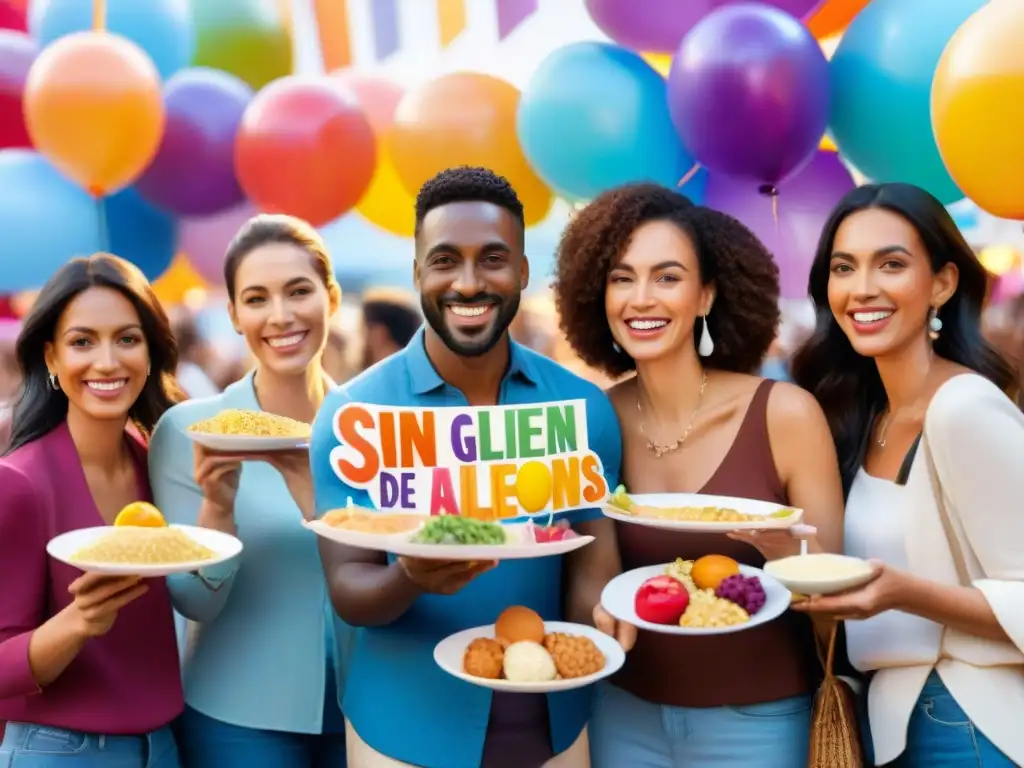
x: 745, y: 314
x: 467, y: 184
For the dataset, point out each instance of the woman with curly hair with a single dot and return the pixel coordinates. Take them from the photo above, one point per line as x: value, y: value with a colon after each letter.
x: 688, y: 298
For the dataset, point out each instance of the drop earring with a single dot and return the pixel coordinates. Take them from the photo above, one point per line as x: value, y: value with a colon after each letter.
x: 934, y: 324
x: 706, y: 345
x: 616, y: 347
x: 54, y: 384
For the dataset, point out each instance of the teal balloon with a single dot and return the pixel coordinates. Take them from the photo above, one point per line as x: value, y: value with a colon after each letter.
x: 247, y: 38
x: 45, y: 220
x: 595, y: 116
x: 882, y: 72
x: 162, y: 28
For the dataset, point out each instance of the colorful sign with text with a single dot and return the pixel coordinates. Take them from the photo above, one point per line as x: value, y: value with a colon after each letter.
x: 489, y: 463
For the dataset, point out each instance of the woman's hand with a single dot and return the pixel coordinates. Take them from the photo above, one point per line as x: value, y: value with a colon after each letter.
x: 883, y: 593
x: 620, y: 630
x: 217, y: 475
x: 97, y: 600
x: 777, y: 543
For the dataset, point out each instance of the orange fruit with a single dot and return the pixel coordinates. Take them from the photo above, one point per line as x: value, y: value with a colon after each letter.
x: 140, y: 514
x: 711, y: 570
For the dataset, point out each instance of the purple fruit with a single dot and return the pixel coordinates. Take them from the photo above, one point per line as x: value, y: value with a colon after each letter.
x: 746, y: 591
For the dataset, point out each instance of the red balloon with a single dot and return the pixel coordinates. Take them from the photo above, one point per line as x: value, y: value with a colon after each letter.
x: 12, y: 17
x: 305, y: 147
x: 17, y: 52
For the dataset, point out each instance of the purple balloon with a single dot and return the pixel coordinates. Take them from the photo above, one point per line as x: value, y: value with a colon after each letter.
x: 193, y: 173
x: 205, y: 239
x: 804, y: 203
x: 748, y: 92
x: 658, y: 26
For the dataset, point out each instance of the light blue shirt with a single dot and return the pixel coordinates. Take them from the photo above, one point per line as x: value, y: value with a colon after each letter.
x: 398, y: 700
x: 256, y: 646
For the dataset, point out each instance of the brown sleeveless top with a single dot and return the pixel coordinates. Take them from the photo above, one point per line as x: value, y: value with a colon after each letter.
x: 770, y: 662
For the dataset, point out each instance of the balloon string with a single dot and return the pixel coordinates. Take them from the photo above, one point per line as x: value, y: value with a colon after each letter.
x: 101, y: 211
x: 99, y: 15
x: 775, y: 211
x: 689, y: 175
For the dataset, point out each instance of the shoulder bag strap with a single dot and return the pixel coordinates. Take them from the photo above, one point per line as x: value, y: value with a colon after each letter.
x: 947, y: 523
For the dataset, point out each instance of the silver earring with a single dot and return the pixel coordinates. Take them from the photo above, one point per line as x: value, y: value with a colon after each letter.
x: 149, y: 370
x: 706, y: 345
x: 934, y: 324
x: 616, y: 347
x: 54, y: 384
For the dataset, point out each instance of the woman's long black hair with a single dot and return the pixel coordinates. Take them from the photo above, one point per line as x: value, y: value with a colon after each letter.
x: 40, y: 408
x: 846, y: 384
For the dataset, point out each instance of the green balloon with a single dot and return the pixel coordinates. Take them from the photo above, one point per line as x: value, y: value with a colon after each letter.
x: 247, y: 38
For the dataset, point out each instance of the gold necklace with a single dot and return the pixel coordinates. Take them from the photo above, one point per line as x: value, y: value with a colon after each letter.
x: 661, y: 450
x: 883, y: 428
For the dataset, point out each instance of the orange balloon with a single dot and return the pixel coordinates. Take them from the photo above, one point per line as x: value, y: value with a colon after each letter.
x: 465, y: 119
x: 978, y: 109
x: 93, y: 107
x: 833, y: 16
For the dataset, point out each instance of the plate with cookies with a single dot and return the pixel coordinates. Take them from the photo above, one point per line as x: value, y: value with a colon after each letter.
x: 522, y: 653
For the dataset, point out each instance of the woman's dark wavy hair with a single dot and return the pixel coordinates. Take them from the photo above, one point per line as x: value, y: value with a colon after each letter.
x: 39, y: 408
x: 847, y: 385
x: 744, y: 316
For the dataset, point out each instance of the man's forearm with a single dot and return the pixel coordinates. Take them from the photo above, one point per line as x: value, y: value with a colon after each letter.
x: 365, y: 593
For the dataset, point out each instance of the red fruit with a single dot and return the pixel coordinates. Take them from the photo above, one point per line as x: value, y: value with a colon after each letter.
x: 661, y: 600
x: 543, y: 534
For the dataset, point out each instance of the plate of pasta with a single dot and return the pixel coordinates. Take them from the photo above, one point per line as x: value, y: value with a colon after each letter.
x: 698, y: 513
x: 245, y: 431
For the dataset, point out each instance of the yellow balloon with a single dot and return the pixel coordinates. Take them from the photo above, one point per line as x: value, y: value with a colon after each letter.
x: 175, y: 284
x: 660, y: 62
x: 533, y: 486
x: 827, y: 145
x: 978, y: 108
x: 386, y: 202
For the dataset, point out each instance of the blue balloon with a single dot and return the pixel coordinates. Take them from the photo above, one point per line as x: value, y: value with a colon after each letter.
x: 139, y: 232
x: 595, y: 116
x: 45, y: 220
x: 882, y: 74
x: 162, y: 28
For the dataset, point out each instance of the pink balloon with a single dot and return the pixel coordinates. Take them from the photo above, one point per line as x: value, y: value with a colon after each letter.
x: 804, y: 204
x: 204, y: 239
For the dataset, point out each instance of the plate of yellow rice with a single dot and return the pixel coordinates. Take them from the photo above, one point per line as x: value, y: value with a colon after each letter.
x: 237, y: 430
x: 142, y: 551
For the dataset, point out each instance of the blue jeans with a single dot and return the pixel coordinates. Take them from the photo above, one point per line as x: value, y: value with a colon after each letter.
x: 941, y: 735
x: 39, y: 746
x: 209, y: 743
x: 627, y: 731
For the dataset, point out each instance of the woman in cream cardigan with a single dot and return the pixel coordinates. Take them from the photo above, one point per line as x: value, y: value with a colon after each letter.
x: 931, y: 451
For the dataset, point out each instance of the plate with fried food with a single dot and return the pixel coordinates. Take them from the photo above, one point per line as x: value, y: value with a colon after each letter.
x: 445, y: 537
x: 522, y: 653
x: 698, y: 513
x: 141, y: 543
x: 243, y: 431
x: 713, y: 595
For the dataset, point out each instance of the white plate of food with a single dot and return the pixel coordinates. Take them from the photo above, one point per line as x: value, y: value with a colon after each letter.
x: 143, y: 551
x: 698, y: 513
x: 521, y: 653
x: 243, y: 431
x: 445, y: 537
x: 820, y: 573
x: 713, y: 595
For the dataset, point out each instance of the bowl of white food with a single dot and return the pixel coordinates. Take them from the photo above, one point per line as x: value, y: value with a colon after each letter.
x: 820, y: 574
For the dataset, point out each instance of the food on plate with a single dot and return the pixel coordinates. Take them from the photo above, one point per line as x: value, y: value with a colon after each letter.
x: 455, y: 529
x: 819, y: 567
x: 706, y: 611
x: 140, y: 514
x: 620, y: 501
x: 746, y: 591
x: 528, y: 662
x: 379, y: 523
x: 517, y: 623
x: 240, y: 422
x: 484, y: 657
x: 711, y: 570
x: 574, y: 655
x: 544, y: 534
x: 661, y: 600
x: 132, y: 545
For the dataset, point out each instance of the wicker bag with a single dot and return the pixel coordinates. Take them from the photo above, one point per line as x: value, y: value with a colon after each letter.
x: 835, y: 733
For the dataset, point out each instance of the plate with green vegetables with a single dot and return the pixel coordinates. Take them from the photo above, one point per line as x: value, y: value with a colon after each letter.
x: 452, y: 537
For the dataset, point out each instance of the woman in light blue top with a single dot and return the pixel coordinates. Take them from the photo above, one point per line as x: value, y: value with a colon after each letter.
x: 261, y: 685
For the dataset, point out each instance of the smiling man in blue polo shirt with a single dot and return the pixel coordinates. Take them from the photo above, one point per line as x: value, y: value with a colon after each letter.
x: 470, y: 270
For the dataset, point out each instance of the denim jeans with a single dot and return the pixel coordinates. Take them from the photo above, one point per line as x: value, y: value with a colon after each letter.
x: 39, y: 746
x: 209, y: 743
x: 941, y: 735
x: 627, y: 731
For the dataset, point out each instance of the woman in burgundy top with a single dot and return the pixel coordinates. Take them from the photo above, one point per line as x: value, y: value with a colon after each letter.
x: 88, y: 664
x: 688, y: 298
